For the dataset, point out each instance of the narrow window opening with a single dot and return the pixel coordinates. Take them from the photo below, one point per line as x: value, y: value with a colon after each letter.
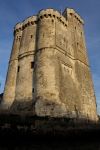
x: 41, y: 17
x: 64, y: 39
x: 18, y: 68
x: 52, y: 20
x: 32, y: 64
x: 49, y: 15
x: 35, y: 22
x: 31, y: 36
x: 32, y: 22
x: 33, y: 90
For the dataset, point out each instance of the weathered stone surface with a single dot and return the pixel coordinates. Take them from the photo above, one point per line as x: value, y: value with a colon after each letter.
x: 49, y: 71
x: 10, y: 86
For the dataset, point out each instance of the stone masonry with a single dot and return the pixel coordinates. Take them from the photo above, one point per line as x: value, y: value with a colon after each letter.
x: 49, y: 73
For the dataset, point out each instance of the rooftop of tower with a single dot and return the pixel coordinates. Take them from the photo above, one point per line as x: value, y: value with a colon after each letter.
x: 50, y: 12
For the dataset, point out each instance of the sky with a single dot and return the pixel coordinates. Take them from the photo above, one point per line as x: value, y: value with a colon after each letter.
x: 14, y: 11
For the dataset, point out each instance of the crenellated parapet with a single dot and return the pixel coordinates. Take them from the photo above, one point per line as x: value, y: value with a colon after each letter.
x: 48, y: 13
x: 18, y: 28
x: 53, y: 14
x: 71, y: 12
x: 27, y: 22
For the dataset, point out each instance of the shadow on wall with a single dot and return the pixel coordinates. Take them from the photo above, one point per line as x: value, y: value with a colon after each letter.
x: 1, y: 97
x: 50, y: 145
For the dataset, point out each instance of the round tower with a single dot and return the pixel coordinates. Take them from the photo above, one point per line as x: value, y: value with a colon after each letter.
x: 46, y: 87
x: 10, y: 85
x: 24, y: 84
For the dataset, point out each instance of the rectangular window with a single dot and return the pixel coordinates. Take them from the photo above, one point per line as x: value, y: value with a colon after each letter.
x: 18, y: 68
x: 33, y: 90
x: 31, y: 36
x: 32, y: 64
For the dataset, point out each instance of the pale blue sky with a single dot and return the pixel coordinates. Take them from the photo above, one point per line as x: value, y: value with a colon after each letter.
x: 13, y: 11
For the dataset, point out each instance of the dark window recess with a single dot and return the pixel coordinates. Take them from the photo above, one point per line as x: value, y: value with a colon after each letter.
x: 52, y: 20
x: 18, y: 68
x: 32, y: 64
x: 31, y: 36
x: 64, y: 40
x: 33, y: 90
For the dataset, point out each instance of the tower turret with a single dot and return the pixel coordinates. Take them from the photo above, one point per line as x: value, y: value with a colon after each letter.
x: 46, y: 66
x: 24, y: 84
x: 10, y: 85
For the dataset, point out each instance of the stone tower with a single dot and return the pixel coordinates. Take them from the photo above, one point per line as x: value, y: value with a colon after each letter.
x: 48, y: 72
x: 10, y: 85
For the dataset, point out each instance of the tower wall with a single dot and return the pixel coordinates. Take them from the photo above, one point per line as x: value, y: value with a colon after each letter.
x: 68, y: 93
x: 24, y: 85
x: 47, y: 88
x: 10, y: 85
x: 82, y: 69
x: 51, y: 67
x: 61, y: 52
x: 55, y: 80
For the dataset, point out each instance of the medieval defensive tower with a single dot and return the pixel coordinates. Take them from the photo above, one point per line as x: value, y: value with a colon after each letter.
x: 48, y: 71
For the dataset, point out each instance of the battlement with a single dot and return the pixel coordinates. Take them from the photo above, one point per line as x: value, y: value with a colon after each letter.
x: 72, y: 12
x: 48, y: 13
x: 18, y: 27
x: 51, y: 13
x: 27, y: 22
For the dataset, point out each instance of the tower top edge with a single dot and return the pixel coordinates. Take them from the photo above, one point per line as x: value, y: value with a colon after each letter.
x: 52, y: 12
x: 49, y: 11
x: 18, y: 25
x: 58, y: 13
x: 73, y: 12
x: 27, y: 20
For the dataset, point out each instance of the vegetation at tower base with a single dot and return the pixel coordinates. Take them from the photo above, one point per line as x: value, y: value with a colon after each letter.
x: 30, y: 126
x: 49, y: 83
